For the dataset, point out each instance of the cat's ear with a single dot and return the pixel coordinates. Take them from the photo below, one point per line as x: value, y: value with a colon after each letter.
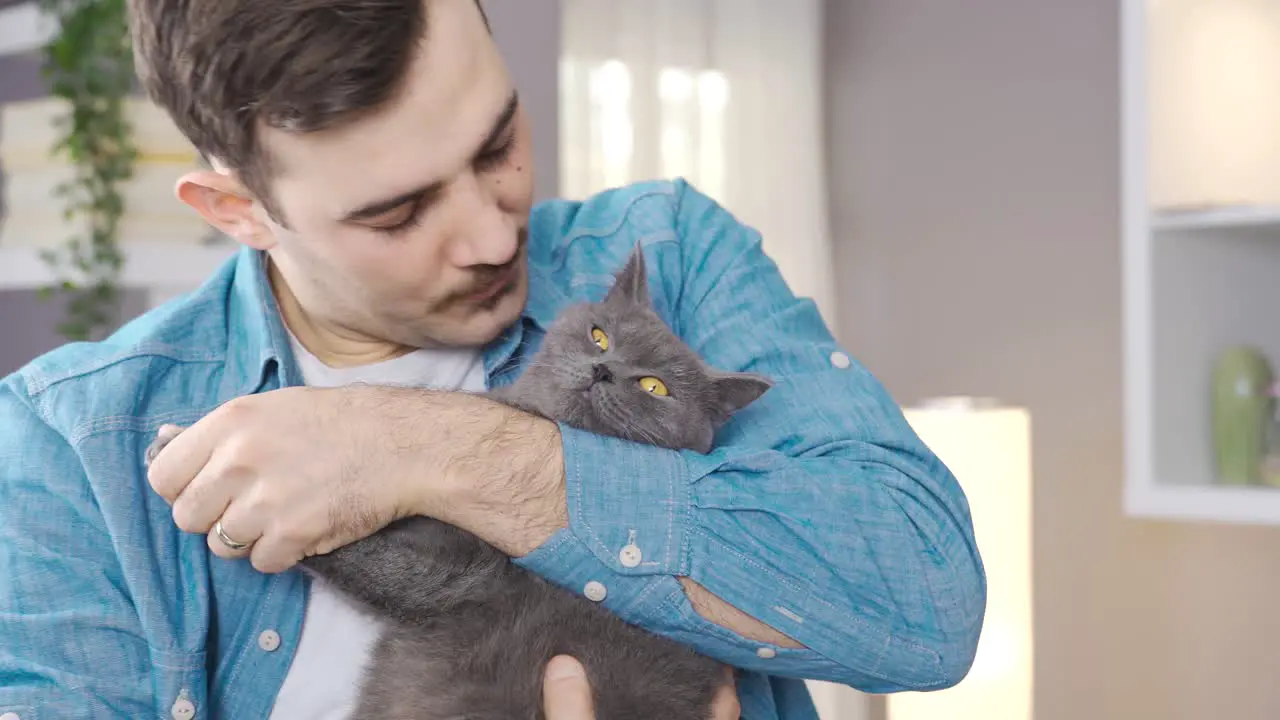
x: 735, y: 391
x: 631, y: 284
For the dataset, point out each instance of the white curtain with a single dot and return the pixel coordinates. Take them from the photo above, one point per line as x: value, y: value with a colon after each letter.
x: 726, y: 93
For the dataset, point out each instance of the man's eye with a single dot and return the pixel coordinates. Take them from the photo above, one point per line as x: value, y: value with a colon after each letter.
x: 398, y: 220
x: 495, y: 157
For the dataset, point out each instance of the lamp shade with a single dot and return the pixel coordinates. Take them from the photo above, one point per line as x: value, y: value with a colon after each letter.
x: 988, y: 448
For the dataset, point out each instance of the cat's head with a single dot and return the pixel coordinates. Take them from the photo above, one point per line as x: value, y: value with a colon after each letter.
x: 614, y: 368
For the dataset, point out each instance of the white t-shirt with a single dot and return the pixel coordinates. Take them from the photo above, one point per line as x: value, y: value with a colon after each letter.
x: 323, y: 682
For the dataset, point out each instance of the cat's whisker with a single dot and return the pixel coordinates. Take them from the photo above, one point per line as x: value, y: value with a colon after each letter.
x: 645, y: 434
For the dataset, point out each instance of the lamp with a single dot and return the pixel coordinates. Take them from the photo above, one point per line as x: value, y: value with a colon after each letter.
x: 988, y: 448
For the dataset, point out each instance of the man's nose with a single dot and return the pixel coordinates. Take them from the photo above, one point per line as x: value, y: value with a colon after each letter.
x: 482, y: 234
x: 601, y: 373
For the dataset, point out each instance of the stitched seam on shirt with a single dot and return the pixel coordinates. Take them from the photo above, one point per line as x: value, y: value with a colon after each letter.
x: 234, y: 674
x: 672, y: 512
x: 599, y: 543
x: 592, y: 538
x: 578, y: 512
x: 114, y: 423
x: 38, y: 382
x: 642, y: 617
x: 555, y: 544
x: 197, y: 659
x: 577, y: 503
x: 812, y: 596
x: 672, y: 602
x: 605, y: 278
x: 40, y: 405
x: 666, y: 188
x: 686, y: 545
x: 748, y: 561
x: 677, y: 602
x: 886, y: 637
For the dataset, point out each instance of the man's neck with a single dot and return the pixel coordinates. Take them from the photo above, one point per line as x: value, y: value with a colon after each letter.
x: 334, y: 346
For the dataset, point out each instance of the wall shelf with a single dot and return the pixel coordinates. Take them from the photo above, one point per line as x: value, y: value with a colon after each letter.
x: 1222, y: 217
x: 1222, y: 503
x: 1189, y: 139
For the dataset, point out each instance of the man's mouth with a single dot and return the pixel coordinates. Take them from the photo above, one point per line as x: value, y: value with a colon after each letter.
x: 497, y: 287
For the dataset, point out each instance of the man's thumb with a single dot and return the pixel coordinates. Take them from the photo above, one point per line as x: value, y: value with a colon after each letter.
x: 566, y: 695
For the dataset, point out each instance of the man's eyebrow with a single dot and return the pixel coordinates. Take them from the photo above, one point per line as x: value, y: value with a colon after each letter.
x: 503, y: 122
x: 381, y: 207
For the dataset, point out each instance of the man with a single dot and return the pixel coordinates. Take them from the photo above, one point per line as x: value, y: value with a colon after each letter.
x: 373, y: 158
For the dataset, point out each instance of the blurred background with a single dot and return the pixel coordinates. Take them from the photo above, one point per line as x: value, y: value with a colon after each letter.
x: 1051, y: 228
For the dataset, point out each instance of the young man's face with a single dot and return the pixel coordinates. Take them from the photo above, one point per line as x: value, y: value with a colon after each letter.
x: 409, y: 225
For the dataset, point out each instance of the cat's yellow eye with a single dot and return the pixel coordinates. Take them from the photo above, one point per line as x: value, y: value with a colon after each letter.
x: 654, y: 386
x: 599, y: 338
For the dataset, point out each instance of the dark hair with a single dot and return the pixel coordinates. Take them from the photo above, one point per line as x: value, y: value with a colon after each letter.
x: 220, y: 68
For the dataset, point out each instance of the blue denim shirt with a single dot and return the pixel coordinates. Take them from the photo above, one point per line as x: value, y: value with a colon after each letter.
x: 820, y: 512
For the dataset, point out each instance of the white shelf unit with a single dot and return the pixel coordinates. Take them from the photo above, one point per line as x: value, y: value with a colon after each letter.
x: 1225, y: 218
x: 1201, y: 240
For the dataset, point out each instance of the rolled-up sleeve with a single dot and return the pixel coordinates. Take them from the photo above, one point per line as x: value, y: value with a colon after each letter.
x: 820, y: 512
x: 70, y: 641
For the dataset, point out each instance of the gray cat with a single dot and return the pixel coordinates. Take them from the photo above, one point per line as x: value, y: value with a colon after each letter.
x: 467, y: 632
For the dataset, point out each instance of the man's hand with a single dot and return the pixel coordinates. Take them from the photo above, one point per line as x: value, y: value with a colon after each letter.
x: 301, y: 471
x: 566, y: 695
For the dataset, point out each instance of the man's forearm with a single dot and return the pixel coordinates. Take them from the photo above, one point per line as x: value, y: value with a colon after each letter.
x: 505, y: 483
x: 507, y: 486
x: 727, y: 616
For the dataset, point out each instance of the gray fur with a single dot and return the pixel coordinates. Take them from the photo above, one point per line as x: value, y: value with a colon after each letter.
x: 468, y: 633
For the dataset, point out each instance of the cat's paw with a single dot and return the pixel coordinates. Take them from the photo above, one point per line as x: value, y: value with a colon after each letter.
x: 164, y: 436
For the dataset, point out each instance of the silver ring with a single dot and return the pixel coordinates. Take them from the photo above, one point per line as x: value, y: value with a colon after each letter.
x: 222, y: 535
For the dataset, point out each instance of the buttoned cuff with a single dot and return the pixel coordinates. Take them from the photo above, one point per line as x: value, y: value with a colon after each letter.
x: 565, y: 561
x: 629, y: 518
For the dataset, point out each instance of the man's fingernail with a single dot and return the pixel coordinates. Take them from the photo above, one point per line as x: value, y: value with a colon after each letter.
x: 564, y: 668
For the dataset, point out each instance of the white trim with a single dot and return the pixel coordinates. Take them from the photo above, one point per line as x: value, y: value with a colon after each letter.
x: 1216, y: 504
x: 24, y: 28
x: 1226, y: 217
x: 1139, y: 320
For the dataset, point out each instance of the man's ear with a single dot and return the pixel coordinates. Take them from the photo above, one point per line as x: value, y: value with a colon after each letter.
x: 226, y: 205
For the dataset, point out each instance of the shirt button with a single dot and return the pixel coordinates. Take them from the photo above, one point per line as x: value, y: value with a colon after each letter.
x: 10, y: 716
x: 595, y: 591
x: 630, y: 556
x: 840, y: 360
x: 766, y: 653
x: 183, y: 709
x: 269, y: 640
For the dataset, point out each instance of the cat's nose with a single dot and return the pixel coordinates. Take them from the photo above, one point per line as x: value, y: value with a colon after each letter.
x: 601, y: 373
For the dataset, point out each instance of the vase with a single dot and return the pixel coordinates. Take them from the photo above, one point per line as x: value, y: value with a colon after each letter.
x: 1243, y: 406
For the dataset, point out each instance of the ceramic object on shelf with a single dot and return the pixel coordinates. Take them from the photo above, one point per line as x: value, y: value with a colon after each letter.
x: 1243, y: 406
x: 1271, y: 455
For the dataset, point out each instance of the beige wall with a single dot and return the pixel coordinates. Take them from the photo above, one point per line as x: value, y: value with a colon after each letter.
x: 975, y: 193
x: 528, y: 34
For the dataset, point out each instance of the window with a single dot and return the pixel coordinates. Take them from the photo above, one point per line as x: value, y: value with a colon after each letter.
x: 619, y: 126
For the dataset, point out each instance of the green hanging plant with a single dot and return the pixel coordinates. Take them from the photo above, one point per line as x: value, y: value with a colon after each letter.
x: 89, y: 64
